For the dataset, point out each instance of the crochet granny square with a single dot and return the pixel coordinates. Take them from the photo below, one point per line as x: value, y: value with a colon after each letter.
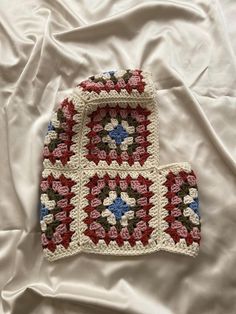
x: 102, y: 188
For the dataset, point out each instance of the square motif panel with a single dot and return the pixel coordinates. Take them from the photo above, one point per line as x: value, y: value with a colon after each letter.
x: 128, y: 80
x: 121, y: 135
x: 58, y: 213
x: 62, y: 138
x: 118, y: 211
x: 180, y: 215
x: 183, y: 207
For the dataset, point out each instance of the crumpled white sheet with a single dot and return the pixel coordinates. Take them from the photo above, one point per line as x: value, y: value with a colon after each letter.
x: 47, y: 47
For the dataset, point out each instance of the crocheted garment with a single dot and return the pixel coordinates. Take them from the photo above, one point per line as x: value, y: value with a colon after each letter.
x: 102, y: 188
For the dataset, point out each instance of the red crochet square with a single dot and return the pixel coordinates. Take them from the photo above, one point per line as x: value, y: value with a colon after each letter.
x: 59, y: 138
x: 182, y: 206
x: 118, y: 209
x: 128, y: 80
x: 118, y: 134
x: 56, y: 206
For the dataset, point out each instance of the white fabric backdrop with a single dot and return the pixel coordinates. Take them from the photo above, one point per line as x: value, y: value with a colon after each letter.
x: 47, y: 47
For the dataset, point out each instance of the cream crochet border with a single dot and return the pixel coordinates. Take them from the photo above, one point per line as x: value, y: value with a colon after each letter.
x: 80, y: 169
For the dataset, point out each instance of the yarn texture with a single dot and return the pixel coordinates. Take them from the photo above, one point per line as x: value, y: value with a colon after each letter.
x: 102, y: 188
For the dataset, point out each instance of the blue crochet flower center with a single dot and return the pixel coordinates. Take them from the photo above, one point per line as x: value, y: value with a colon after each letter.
x: 195, y: 206
x: 50, y: 126
x: 43, y: 212
x: 118, y: 134
x: 110, y: 72
x: 118, y: 207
